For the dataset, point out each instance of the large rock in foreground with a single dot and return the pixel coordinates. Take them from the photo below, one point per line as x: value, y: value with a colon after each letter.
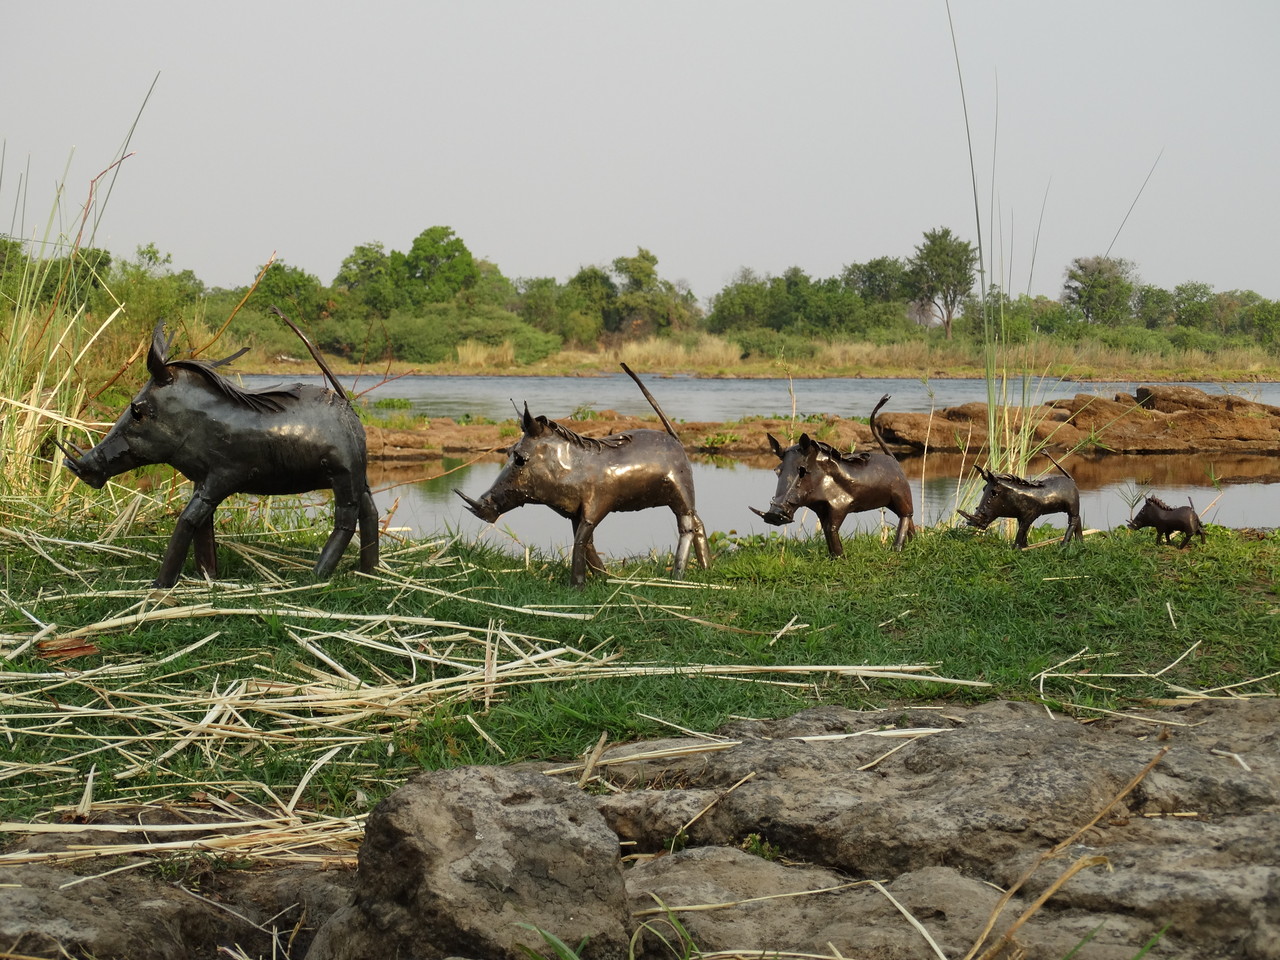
x: 846, y: 833
x: 832, y: 833
x: 951, y: 818
x: 464, y: 862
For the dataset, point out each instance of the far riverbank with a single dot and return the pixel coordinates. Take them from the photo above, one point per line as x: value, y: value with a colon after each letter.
x: 712, y: 358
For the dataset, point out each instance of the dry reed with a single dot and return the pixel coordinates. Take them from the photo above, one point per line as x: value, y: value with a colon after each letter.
x: 161, y: 732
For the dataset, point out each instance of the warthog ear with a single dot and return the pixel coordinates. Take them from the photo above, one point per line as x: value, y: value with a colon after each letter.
x: 806, y: 443
x: 529, y: 424
x: 777, y: 447
x: 158, y: 356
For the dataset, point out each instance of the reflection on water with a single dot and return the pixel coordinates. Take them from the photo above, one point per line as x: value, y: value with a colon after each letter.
x: 424, y: 502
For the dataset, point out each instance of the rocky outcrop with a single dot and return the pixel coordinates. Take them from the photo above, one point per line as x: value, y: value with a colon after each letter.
x: 1155, y: 420
x: 833, y: 833
x: 977, y: 803
x: 465, y: 863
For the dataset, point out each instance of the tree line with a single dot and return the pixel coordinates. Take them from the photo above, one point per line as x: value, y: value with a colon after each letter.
x: 418, y: 305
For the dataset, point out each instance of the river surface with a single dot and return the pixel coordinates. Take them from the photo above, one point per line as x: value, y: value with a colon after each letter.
x: 421, y: 502
x: 692, y: 398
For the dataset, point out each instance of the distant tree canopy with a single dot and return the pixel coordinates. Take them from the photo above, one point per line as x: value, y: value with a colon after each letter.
x: 774, y: 315
x: 646, y: 304
x: 940, y: 274
x: 438, y: 267
x: 420, y: 304
x: 1102, y: 288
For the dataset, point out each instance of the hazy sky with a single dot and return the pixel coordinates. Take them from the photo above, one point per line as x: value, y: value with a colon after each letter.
x: 553, y: 135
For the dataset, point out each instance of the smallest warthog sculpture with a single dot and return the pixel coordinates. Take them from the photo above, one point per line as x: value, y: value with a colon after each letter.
x: 225, y: 440
x: 1026, y: 501
x: 584, y: 479
x: 1167, y: 520
x: 833, y: 485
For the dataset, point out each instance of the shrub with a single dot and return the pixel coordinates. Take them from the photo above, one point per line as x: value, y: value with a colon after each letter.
x: 1186, y: 338
x: 763, y: 342
x: 433, y: 336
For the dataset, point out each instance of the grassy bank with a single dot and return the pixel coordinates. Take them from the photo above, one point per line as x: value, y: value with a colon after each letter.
x: 324, y: 696
x: 711, y: 356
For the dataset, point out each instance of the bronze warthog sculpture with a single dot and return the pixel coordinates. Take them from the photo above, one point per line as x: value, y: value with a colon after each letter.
x: 833, y: 485
x: 1166, y: 519
x: 1006, y: 495
x: 584, y: 479
x: 225, y: 440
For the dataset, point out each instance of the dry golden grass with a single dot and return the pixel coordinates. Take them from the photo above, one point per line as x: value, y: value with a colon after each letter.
x: 474, y: 354
x: 662, y: 353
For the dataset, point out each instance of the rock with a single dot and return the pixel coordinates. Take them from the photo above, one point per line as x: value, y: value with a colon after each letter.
x: 458, y: 862
x: 809, y: 910
x: 943, y: 807
x: 1159, y: 419
x: 50, y: 911
x: 996, y: 788
x: 39, y: 917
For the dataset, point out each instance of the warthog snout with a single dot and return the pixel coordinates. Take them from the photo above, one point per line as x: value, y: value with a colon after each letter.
x: 776, y: 515
x: 485, y: 509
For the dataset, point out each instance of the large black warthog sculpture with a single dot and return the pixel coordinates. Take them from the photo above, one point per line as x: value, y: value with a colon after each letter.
x: 586, y: 478
x: 225, y: 440
x: 833, y: 485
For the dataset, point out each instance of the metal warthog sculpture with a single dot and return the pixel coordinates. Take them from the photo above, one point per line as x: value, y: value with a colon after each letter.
x: 1006, y: 495
x: 585, y: 479
x: 225, y: 440
x: 1167, y: 520
x: 833, y: 485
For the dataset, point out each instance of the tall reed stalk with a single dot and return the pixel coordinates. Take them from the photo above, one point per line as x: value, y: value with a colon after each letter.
x: 1010, y: 432
x: 47, y: 333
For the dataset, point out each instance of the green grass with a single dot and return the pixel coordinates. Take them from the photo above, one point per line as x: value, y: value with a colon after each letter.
x: 967, y: 603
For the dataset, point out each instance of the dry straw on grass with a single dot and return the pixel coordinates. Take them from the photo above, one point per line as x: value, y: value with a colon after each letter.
x: 356, y: 684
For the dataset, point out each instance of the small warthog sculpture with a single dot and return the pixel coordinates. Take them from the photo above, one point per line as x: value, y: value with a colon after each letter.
x: 1006, y: 495
x: 1166, y: 519
x: 586, y: 478
x: 225, y: 440
x: 833, y: 485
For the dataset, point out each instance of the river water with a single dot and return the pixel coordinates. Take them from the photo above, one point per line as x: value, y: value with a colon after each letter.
x: 421, y: 502
x: 692, y: 398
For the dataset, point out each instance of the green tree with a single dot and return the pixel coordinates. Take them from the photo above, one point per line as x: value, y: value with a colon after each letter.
x: 592, y: 301
x: 1240, y: 311
x: 1194, y: 306
x: 438, y: 266
x: 366, y: 265
x: 291, y: 289
x: 940, y: 275
x: 1153, y: 307
x: 793, y: 304
x: 368, y: 285
x: 647, y: 304
x: 881, y: 280
x: 490, y: 288
x: 565, y: 310
x: 540, y: 302
x: 1264, y: 320
x: 597, y: 289
x: 639, y: 274
x: 1102, y: 289
x: 744, y: 304
x: 150, y: 290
